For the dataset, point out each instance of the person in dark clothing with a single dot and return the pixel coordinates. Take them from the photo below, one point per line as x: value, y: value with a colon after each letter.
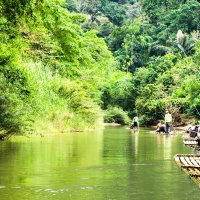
x: 160, y: 128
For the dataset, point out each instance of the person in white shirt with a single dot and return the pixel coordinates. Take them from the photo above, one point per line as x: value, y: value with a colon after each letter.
x: 168, y: 121
x: 135, y: 122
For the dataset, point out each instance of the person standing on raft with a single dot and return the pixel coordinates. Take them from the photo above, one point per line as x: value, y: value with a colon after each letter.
x: 168, y: 121
x: 134, y: 123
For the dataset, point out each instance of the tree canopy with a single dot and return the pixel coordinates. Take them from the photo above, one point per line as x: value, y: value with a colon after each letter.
x: 68, y: 62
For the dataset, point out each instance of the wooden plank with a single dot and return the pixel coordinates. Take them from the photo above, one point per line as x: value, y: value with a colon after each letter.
x: 177, y: 160
x: 190, y: 170
x: 190, y: 142
x: 191, y: 165
x: 196, y: 170
x: 191, y: 155
x: 195, y: 175
x: 190, y: 139
x: 189, y: 162
x: 183, y: 161
x: 194, y: 162
x: 197, y: 160
x: 197, y: 147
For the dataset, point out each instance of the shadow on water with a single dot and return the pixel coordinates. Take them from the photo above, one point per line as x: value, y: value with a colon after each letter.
x: 113, y: 164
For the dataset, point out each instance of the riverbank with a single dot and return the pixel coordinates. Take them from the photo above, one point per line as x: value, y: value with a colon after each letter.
x: 180, y: 129
x: 111, y: 124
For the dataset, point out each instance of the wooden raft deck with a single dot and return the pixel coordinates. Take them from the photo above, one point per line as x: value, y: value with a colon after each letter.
x: 192, y: 142
x: 190, y: 164
x: 194, y: 146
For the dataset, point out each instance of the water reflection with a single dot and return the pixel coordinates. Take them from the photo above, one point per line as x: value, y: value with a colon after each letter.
x: 135, y: 140
x: 114, y: 164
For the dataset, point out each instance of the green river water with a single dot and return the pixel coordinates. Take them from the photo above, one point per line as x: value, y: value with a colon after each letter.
x: 114, y: 164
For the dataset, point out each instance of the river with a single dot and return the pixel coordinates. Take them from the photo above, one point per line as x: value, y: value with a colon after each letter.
x: 114, y: 164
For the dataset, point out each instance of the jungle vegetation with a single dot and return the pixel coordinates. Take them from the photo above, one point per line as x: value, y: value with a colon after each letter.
x: 64, y: 64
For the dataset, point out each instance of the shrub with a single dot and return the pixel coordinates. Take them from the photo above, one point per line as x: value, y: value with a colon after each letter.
x: 116, y: 115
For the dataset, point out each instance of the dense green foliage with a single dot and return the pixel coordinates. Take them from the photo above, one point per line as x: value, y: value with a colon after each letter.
x: 52, y: 72
x: 63, y: 62
x: 158, y: 42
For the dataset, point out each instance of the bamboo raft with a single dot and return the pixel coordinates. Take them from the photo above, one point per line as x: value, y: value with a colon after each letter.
x: 194, y: 146
x: 192, y: 142
x: 190, y: 164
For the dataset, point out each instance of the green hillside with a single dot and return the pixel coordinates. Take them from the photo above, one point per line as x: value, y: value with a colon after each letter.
x: 66, y: 64
x: 158, y: 43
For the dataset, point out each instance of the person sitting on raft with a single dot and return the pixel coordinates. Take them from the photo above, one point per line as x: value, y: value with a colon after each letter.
x: 190, y: 128
x: 197, y: 128
x: 160, y: 127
